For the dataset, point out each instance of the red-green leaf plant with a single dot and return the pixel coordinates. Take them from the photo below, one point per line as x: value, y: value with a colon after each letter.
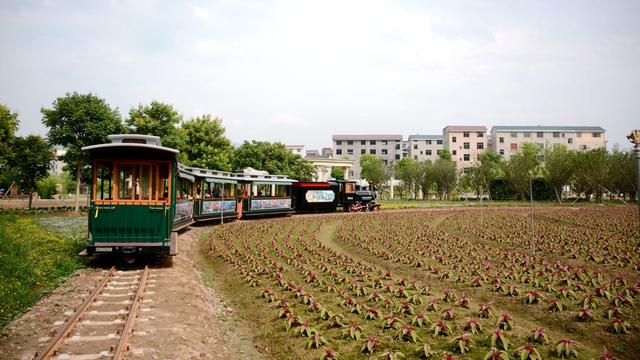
x: 602, y: 292
x: 511, y: 290
x: 615, y: 312
x: 338, y: 321
x: 567, y: 293
x: 420, y: 319
x: 590, y: 301
x: 408, y: 333
x: 374, y: 296
x: 463, y: 301
x: 391, y: 322
x: 433, y: 305
x: 449, y: 296
x: 304, y: 329
x: 606, y: 355
x: 528, y: 352
x: 540, y: 336
x: 372, y: 313
x: 392, y: 355
x: 619, y: 326
x: 325, y: 314
x: 448, y: 314
x: 354, y: 331
x: 567, y: 348
x: 284, y: 311
x: 505, y: 322
x: 440, y: 328
x: 405, y: 307
x: 329, y: 354
x: 473, y: 326
x: 499, y: 339
x: 496, y: 354
x: 370, y: 344
x: 486, y: 311
x: 623, y: 299
x: 447, y: 356
x: 586, y: 314
x: 425, y: 352
x: 532, y: 297
x: 290, y: 321
x: 463, y: 343
x: 316, y: 341
x: 556, y: 305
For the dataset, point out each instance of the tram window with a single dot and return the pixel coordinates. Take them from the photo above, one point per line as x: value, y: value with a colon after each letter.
x: 349, y: 187
x: 282, y: 190
x: 142, y: 182
x: 215, y: 190
x: 163, y: 178
x: 125, y: 182
x: 229, y: 190
x: 103, y: 184
x: 263, y: 190
x: 185, y: 188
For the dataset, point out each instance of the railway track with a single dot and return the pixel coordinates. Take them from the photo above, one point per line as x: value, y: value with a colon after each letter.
x: 101, y: 327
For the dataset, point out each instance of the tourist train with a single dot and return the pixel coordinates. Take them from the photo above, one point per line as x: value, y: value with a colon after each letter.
x: 141, y: 196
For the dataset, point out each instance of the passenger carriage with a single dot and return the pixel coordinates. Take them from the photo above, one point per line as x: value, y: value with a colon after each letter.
x: 264, y: 194
x: 215, y: 194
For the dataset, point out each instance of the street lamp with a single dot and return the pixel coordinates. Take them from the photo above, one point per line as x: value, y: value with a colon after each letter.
x: 634, y: 137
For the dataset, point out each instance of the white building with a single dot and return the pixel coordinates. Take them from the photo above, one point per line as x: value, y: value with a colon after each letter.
x: 425, y: 147
x: 352, y: 147
x: 297, y: 150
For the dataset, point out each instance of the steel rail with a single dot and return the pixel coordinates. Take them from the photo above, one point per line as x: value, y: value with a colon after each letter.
x: 73, y: 322
x: 121, y: 348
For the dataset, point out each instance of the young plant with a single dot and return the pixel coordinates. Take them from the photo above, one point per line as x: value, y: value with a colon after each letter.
x: 290, y: 321
x: 440, y: 328
x: 590, y: 301
x: 338, y: 321
x: 473, y: 326
x: 556, y: 305
x: 372, y: 313
x: 528, y: 352
x: 408, y: 333
x: 463, y: 343
x: 448, y: 314
x: 615, y: 312
x: 499, y: 339
x: 391, y: 322
x: 433, y: 305
x: 619, y: 326
x: 420, y: 319
x: 392, y: 355
x: 505, y: 322
x: 606, y: 355
x: 405, y: 307
x: 425, y: 352
x: 532, y: 297
x: 486, y: 311
x: 316, y: 341
x: 329, y: 354
x: 539, y: 335
x: 449, y: 296
x: 586, y: 314
x: 370, y: 344
x: 354, y: 331
x: 304, y: 329
x: 496, y: 354
x: 463, y: 301
x: 567, y: 348
x: 623, y: 299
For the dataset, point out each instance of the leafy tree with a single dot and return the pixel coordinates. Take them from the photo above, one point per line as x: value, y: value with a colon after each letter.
x: 557, y: 168
x: 157, y: 119
x: 622, y: 171
x: 444, y: 177
x: 205, y: 144
x: 408, y: 171
x: 372, y: 169
x: 31, y: 161
x: 271, y: 157
x: 522, y: 167
x: 78, y: 120
x: 426, y: 178
x: 8, y: 126
x: 591, y: 172
x: 445, y: 154
x: 337, y: 173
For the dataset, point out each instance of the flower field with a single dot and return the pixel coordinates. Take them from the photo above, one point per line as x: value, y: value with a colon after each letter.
x: 441, y: 284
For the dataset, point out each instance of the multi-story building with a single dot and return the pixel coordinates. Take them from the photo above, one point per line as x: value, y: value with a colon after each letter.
x: 387, y: 147
x: 425, y: 147
x: 297, y: 149
x: 507, y: 140
x: 465, y: 143
x: 327, y: 152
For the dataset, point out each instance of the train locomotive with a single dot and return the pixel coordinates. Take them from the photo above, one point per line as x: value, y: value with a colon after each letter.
x: 141, y: 196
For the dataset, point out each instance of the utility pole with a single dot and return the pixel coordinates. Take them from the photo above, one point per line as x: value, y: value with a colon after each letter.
x: 634, y: 137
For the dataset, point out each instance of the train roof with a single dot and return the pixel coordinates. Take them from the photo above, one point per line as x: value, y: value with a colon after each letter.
x: 226, y: 176
x: 125, y: 142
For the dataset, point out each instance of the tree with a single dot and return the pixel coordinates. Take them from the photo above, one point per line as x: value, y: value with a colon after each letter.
x: 426, y: 178
x: 591, y: 172
x: 444, y: 177
x: 522, y: 166
x: 271, y: 157
x: 557, y: 168
x: 205, y: 144
x: 8, y: 126
x: 445, y: 154
x: 622, y: 172
x: 157, y: 119
x: 372, y: 169
x: 31, y: 161
x: 78, y: 120
x: 408, y: 171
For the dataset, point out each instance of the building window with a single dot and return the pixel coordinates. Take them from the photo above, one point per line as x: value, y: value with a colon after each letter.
x: 466, y: 157
x: 384, y: 152
x: 415, y: 146
x: 514, y: 134
x: 480, y: 146
x: 349, y: 142
x: 439, y: 142
x: 527, y: 134
x: 428, y: 152
x: 465, y: 134
x: 363, y: 142
x: 453, y: 139
x: 338, y: 142
x: 372, y: 151
x: 514, y: 147
x: 583, y: 147
x: 570, y: 141
x: 338, y: 151
x: 372, y: 142
x: 397, y: 146
x: 415, y: 157
x: 428, y: 142
x: 349, y: 151
x: 453, y: 152
x: 384, y: 142
x: 539, y: 134
x: 397, y: 156
x: 480, y: 134
x: 579, y: 134
x: 596, y: 135
x: 420, y: 152
x: 556, y: 134
x: 562, y: 135
x: 501, y: 140
x: 501, y: 152
x: 385, y: 162
x: 466, y: 146
x: 363, y: 151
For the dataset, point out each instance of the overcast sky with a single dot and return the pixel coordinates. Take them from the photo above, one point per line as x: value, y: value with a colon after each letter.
x: 299, y: 71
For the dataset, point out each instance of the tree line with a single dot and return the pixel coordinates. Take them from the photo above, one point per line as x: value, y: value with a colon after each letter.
x: 532, y: 171
x: 77, y: 120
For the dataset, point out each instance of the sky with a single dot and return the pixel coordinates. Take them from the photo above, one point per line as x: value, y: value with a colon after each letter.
x: 300, y: 71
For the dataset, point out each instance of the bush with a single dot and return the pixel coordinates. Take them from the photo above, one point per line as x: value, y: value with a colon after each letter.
x: 501, y: 189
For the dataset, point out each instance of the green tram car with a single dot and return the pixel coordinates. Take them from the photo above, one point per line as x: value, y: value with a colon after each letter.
x: 141, y: 196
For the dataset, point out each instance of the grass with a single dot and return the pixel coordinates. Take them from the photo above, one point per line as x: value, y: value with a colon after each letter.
x: 36, y: 255
x: 395, y: 204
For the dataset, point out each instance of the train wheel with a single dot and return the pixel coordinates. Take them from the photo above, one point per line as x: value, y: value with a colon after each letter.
x: 353, y: 208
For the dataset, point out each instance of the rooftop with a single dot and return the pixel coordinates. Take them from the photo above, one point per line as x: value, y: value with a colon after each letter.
x: 425, y: 137
x: 548, y: 128
x: 464, y: 128
x: 393, y: 137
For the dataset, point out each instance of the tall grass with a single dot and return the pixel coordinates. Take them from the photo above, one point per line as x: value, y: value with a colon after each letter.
x: 35, y: 256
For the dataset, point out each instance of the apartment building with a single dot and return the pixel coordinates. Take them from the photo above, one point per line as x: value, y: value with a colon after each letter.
x: 465, y: 143
x: 297, y: 149
x: 387, y: 147
x: 425, y: 147
x: 507, y: 140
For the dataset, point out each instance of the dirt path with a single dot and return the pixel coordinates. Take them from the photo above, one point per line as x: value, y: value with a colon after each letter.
x: 181, y: 317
